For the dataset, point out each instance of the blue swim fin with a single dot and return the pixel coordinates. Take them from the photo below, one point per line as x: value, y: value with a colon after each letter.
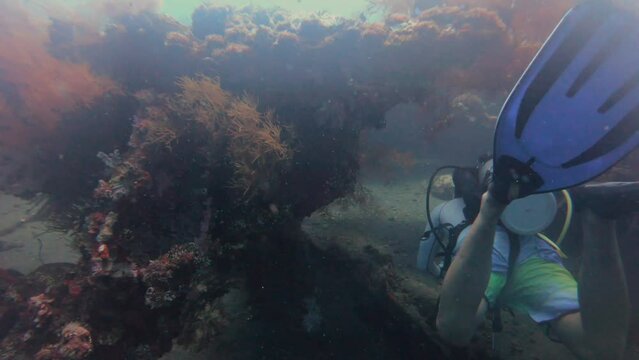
x: 575, y: 111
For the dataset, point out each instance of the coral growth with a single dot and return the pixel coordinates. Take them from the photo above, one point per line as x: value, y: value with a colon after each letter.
x: 203, y: 100
x: 155, y: 130
x: 471, y: 108
x: 164, y: 277
x: 126, y: 175
x: 256, y: 145
x: 106, y: 228
x: 530, y: 21
x: 230, y: 145
x: 75, y: 344
x: 40, y: 309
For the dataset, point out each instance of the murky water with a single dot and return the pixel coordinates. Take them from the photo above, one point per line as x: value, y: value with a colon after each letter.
x: 247, y: 180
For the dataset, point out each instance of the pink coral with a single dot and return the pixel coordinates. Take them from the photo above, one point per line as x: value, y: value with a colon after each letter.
x: 40, y: 309
x: 106, y: 230
x: 103, y: 190
x: 94, y: 221
x: 76, y: 344
x: 164, y: 276
x: 77, y: 341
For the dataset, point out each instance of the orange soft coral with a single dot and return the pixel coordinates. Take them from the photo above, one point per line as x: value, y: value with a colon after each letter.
x: 37, y: 87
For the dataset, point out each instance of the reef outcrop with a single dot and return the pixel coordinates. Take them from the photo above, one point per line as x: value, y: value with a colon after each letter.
x: 184, y: 160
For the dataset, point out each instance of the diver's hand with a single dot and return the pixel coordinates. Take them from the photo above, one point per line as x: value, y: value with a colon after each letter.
x: 491, y: 208
x: 503, y: 192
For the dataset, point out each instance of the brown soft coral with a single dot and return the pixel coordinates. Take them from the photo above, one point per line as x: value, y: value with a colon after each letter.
x: 154, y: 130
x: 202, y: 100
x: 256, y: 145
x: 255, y: 140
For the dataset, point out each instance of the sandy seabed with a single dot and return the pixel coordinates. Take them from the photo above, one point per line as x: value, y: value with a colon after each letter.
x: 27, y: 242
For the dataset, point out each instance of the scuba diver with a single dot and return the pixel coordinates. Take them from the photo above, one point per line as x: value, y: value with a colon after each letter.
x: 493, y: 266
x: 572, y: 116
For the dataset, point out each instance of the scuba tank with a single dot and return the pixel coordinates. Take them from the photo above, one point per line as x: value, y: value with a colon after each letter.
x: 438, y: 243
x: 526, y: 216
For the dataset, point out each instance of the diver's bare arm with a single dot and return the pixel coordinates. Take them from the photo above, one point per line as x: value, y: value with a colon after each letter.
x: 467, y: 277
x: 603, y: 294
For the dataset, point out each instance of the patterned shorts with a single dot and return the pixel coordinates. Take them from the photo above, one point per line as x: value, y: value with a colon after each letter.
x: 542, y: 289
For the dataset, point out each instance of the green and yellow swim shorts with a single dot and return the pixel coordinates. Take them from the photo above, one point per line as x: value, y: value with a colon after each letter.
x: 543, y: 289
